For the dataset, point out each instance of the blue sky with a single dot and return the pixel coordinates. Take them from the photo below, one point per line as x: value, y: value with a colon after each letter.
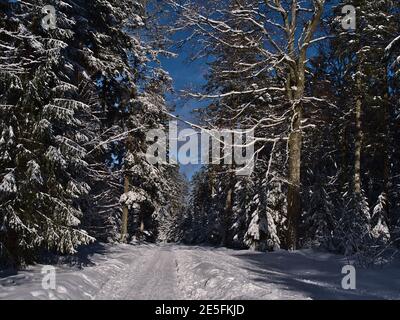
x: 190, y: 75
x: 186, y: 75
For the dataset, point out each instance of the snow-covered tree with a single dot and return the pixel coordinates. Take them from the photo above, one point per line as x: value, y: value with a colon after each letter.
x: 334, y: 110
x: 353, y: 139
x: 43, y: 167
x: 268, y: 42
x: 71, y: 99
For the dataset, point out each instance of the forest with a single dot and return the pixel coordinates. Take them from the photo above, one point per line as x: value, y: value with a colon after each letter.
x: 81, y: 87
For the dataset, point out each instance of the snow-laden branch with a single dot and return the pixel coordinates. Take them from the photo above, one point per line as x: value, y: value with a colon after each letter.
x: 119, y: 137
x: 391, y: 45
x: 231, y: 93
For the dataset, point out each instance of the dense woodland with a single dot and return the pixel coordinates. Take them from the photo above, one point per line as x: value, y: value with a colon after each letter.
x: 326, y: 102
x: 77, y: 101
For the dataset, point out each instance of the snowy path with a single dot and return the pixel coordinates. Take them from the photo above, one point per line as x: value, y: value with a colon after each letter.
x: 152, y: 277
x: 181, y: 272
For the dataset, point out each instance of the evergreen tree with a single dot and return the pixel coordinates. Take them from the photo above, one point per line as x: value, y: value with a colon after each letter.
x: 76, y: 102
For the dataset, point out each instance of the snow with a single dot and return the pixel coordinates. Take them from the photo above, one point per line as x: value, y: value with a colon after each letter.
x: 157, y: 272
x: 34, y: 172
x: 54, y: 155
x: 389, y: 48
x: 8, y: 185
x: 132, y: 199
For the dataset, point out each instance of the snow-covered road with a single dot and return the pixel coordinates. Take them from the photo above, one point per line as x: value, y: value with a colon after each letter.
x: 181, y: 272
x: 151, y: 277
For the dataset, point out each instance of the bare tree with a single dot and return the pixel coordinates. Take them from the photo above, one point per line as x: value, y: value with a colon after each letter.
x: 279, y: 35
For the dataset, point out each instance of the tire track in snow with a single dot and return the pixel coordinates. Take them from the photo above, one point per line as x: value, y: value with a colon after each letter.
x: 152, y: 276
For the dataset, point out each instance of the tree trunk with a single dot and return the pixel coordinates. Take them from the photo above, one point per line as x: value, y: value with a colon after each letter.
x: 293, y: 198
x: 125, y: 212
x: 140, y: 231
x: 212, y: 183
x: 295, y: 146
x: 344, y: 160
x: 227, y: 214
x: 358, y: 143
x: 386, y: 161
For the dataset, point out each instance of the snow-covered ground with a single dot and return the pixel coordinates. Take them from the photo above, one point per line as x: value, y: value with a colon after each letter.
x: 181, y: 272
